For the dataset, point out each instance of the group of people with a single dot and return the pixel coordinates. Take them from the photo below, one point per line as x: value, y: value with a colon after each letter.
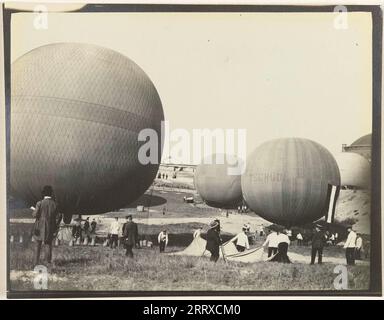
x: 48, y: 220
x: 278, y: 240
x: 331, y: 238
x: 130, y: 236
x: 84, y: 232
x: 242, y: 209
x: 162, y: 176
x: 277, y: 243
x: 353, y: 245
x: 47, y: 225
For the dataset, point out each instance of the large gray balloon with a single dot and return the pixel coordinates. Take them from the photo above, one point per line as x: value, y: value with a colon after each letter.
x: 76, y: 111
x: 355, y: 170
x: 286, y: 180
x: 215, y: 185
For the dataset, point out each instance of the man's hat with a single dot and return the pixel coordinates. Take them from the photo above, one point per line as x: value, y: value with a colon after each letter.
x: 213, y: 224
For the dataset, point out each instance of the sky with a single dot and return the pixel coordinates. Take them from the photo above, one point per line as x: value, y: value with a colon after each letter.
x: 273, y: 74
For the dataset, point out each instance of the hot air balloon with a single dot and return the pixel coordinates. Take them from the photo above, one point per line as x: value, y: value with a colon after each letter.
x: 76, y: 111
x: 216, y: 185
x: 362, y: 146
x: 286, y: 180
x: 363, y: 141
x: 355, y: 170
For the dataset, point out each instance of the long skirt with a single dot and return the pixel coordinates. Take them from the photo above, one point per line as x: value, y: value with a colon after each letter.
x: 282, y: 253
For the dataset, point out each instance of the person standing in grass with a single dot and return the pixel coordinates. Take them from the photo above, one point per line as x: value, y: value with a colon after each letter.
x: 46, y: 224
x: 241, y: 239
x: 92, y: 232
x: 86, y: 227
x: 76, y: 232
x: 214, y: 240
x: 162, y: 238
x: 359, y: 246
x: 114, y: 232
x: 271, y: 243
x: 318, y: 240
x: 299, y: 238
x: 130, y: 236
x: 350, y: 246
x: 282, y: 247
x: 336, y: 238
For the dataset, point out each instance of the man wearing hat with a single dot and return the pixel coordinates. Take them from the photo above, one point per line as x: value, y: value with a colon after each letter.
x: 130, y: 235
x: 214, y: 240
x: 46, y: 224
x: 318, y: 241
x: 350, y: 246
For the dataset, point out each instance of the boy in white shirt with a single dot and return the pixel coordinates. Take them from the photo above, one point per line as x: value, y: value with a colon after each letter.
x: 163, y: 240
x: 114, y: 231
x: 241, y: 241
x: 350, y: 246
x: 271, y: 242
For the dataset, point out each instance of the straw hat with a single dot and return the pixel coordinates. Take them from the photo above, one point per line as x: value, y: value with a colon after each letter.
x: 213, y: 224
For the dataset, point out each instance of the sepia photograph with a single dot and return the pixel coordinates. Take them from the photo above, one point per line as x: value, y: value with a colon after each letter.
x: 192, y: 150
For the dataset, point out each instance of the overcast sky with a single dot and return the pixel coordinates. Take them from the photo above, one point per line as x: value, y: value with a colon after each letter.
x: 273, y: 74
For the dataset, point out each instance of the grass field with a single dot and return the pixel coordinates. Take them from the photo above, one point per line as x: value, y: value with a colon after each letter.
x: 101, y: 268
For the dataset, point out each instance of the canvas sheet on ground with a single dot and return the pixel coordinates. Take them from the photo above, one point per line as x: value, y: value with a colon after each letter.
x: 197, y: 248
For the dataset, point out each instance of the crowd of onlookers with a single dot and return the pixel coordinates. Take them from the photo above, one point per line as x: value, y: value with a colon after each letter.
x: 278, y: 239
x: 84, y: 232
x: 46, y: 231
x: 165, y: 176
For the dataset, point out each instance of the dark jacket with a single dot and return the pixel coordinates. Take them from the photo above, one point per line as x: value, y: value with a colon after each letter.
x: 76, y: 231
x: 130, y: 233
x: 86, y: 226
x: 213, y: 240
x: 93, y: 226
x: 47, y: 220
x: 318, y: 239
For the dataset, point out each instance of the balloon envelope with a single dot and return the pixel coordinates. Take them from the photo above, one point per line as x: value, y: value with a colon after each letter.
x: 286, y: 180
x: 355, y: 170
x: 76, y: 111
x: 215, y: 183
x: 363, y: 141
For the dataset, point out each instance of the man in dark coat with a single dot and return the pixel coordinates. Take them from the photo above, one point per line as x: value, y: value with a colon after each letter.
x: 86, y: 227
x: 46, y: 224
x: 93, y: 226
x: 76, y: 232
x: 214, y: 240
x: 318, y: 241
x: 130, y: 235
